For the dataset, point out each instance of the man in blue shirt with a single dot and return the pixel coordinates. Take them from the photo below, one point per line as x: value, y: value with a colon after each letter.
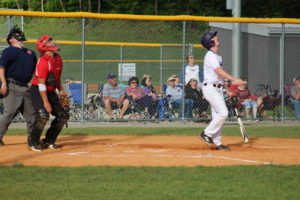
x: 17, y: 65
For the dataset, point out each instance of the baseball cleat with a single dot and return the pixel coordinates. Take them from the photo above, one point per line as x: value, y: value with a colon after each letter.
x: 54, y: 146
x: 35, y: 148
x: 1, y: 143
x: 208, y: 140
x: 222, y: 147
x: 46, y: 145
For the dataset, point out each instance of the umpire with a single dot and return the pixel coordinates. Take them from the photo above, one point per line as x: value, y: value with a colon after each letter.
x: 17, y: 65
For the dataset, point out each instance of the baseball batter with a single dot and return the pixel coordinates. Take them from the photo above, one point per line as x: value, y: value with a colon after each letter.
x: 213, y: 84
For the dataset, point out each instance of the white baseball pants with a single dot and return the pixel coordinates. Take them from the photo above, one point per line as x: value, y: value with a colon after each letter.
x: 219, y: 110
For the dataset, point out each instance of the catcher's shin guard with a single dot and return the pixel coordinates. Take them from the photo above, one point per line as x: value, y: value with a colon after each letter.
x: 42, y: 118
x: 56, y: 126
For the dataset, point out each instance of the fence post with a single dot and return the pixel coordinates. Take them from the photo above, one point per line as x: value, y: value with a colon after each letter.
x: 160, y: 71
x: 183, y: 71
x: 281, y: 70
x: 82, y: 68
x: 120, y: 69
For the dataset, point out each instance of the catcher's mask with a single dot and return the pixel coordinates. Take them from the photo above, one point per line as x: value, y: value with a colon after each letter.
x: 17, y: 33
x: 44, y: 44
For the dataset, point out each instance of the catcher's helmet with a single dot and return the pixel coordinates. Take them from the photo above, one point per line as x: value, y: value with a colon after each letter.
x: 43, y: 46
x: 16, y: 33
x: 206, y: 39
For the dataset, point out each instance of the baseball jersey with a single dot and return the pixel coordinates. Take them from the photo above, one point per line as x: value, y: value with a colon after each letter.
x: 212, y: 61
x: 46, y: 64
x: 19, y: 63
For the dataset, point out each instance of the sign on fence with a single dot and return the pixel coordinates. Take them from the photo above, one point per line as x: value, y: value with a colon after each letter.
x: 126, y: 70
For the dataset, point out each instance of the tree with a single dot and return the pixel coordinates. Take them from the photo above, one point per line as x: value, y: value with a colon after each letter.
x: 18, y: 6
x: 89, y: 6
x: 29, y: 8
x: 99, y: 6
x: 42, y: 5
x: 62, y: 5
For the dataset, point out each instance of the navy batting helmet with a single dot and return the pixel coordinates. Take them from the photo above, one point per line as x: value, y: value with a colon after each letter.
x: 206, y: 39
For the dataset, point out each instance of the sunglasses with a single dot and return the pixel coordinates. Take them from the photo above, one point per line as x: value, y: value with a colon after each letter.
x: 133, y: 82
x: 192, y: 57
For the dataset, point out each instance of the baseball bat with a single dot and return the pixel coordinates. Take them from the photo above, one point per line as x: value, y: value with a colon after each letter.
x: 242, y: 128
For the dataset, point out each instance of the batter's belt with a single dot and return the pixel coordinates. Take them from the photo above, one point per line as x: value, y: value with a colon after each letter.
x: 214, y: 85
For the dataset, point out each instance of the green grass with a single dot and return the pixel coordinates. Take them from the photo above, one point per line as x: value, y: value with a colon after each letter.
x: 136, y: 183
x: 278, y: 131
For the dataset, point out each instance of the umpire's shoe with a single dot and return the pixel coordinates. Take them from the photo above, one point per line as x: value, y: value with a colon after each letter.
x: 208, y: 140
x: 222, y: 147
x: 1, y: 143
x: 54, y: 146
x: 46, y: 145
x: 34, y: 147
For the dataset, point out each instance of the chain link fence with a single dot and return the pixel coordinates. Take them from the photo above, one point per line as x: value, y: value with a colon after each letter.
x: 159, y: 48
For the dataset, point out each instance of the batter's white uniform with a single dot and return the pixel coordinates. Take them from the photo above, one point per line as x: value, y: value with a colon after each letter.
x: 214, y: 96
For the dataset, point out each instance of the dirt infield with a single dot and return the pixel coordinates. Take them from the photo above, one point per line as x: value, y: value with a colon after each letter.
x: 87, y: 150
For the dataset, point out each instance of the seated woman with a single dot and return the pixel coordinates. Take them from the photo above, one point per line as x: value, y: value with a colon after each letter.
x: 244, y: 96
x: 200, y: 103
x: 139, y: 95
x: 146, y: 83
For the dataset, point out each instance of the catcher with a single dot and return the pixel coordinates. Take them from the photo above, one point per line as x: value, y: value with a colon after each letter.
x: 43, y: 91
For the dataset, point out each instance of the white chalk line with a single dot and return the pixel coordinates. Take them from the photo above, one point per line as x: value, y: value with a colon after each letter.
x: 175, y: 155
x: 277, y: 147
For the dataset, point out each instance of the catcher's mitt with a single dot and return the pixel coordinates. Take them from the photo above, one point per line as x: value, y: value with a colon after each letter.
x: 64, y: 101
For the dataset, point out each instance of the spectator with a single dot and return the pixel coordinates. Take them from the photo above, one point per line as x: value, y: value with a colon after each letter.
x: 177, y: 80
x: 229, y: 97
x: 194, y: 93
x: 148, y: 76
x: 295, y: 92
x: 146, y: 83
x: 114, y: 96
x: 175, y: 94
x: 244, y: 95
x: 192, y: 71
x: 139, y: 96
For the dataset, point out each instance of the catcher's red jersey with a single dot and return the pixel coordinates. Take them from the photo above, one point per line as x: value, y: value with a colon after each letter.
x: 46, y: 64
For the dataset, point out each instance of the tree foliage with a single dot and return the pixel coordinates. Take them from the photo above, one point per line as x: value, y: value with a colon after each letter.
x: 250, y: 8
